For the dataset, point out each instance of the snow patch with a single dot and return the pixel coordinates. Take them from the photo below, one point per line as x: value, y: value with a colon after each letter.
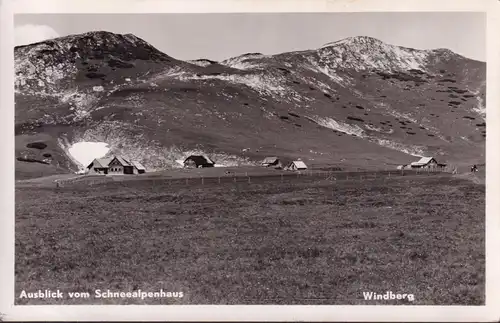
x: 338, y: 126
x: 85, y: 152
x: 416, y: 151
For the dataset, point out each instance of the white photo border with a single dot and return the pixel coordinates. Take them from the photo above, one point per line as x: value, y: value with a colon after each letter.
x: 488, y: 312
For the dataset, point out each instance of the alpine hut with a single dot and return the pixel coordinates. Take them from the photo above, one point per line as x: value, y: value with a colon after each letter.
x: 271, y: 162
x: 114, y: 166
x: 296, y: 165
x: 426, y: 162
x: 198, y: 161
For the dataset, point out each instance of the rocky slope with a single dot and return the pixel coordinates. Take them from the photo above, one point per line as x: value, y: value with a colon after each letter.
x: 353, y: 103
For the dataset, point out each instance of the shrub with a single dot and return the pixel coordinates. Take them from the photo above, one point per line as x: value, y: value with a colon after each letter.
x: 31, y: 160
x: 360, y: 107
x: 327, y: 95
x: 470, y: 118
x: 355, y: 119
x: 410, y: 133
x: 37, y: 145
x: 448, y: 80
x: 93, y: 75
x: 284, y: 118
x: 115, y: 62
x: 294, y: 115
x: 47, y: 155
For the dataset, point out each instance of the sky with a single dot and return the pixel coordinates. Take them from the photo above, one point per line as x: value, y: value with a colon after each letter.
x: 221, y: 36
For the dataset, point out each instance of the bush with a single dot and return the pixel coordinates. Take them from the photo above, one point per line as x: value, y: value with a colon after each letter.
x: 37, y: 145
x: 94, y: 75
x: 355, y: 119
x: 115, y: 62
x: 448, y: 80
x: 31, y: 160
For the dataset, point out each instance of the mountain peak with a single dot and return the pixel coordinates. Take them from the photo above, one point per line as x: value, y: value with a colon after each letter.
x: 355, y: 40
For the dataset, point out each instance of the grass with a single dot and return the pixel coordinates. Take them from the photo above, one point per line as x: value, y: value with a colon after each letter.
x: 304, y: 241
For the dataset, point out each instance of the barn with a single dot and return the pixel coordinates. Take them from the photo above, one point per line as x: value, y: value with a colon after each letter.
x: 426, y: 162
x: 272, y: 162
x: 296, y: 165
x: 114, y: 166
x: 198, y: 161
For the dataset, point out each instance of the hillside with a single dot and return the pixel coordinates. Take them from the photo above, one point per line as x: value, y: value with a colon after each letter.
x: 355, y: 103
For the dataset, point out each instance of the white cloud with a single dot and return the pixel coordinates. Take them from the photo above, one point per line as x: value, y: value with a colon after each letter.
x: 28, y: 34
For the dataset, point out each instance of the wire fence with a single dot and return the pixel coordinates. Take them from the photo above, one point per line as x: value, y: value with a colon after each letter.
x: 245, y: 177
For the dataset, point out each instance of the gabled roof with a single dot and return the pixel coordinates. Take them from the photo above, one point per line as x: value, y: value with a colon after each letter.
x: 298, y: 164
x: 100, y: 162
x: 138, y: 165
x: 122, y: 161
x: 199, y: 160
x: 423, y: 161
x: 270, y: 160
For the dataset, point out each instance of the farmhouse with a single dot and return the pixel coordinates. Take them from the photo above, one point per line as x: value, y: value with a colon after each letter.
x: 426, y: 162
x: 114, y: 166
x: 272, y: 162
x: 195, y: 161
x: 296, y: 165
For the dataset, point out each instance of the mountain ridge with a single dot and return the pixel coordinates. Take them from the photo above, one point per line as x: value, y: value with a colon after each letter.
x: 321, y: 102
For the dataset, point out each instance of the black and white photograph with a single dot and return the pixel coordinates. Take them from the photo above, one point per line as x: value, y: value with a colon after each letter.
x: 250, y: 158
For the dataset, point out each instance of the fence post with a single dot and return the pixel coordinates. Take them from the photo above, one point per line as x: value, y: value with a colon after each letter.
x: 202, y: 182
x: 219, y: 179
x: 186, y: 180
x: 282, y: 178
x: 234, y: 179
x: 249, y: 179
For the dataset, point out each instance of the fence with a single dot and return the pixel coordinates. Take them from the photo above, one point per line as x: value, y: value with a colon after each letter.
x: 303, y: 176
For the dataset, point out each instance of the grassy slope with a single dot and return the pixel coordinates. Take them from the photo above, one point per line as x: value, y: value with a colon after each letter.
x: 223, y: 116
x: 300, y: 242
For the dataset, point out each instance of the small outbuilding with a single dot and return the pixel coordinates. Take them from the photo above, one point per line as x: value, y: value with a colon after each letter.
x: 427, y: 162
x: 140, y: 168
x: 198, y: 161
x: 272, y: 162
x: 296, y: 165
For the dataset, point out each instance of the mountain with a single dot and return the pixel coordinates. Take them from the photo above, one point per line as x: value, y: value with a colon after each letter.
x: 354, y: 103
